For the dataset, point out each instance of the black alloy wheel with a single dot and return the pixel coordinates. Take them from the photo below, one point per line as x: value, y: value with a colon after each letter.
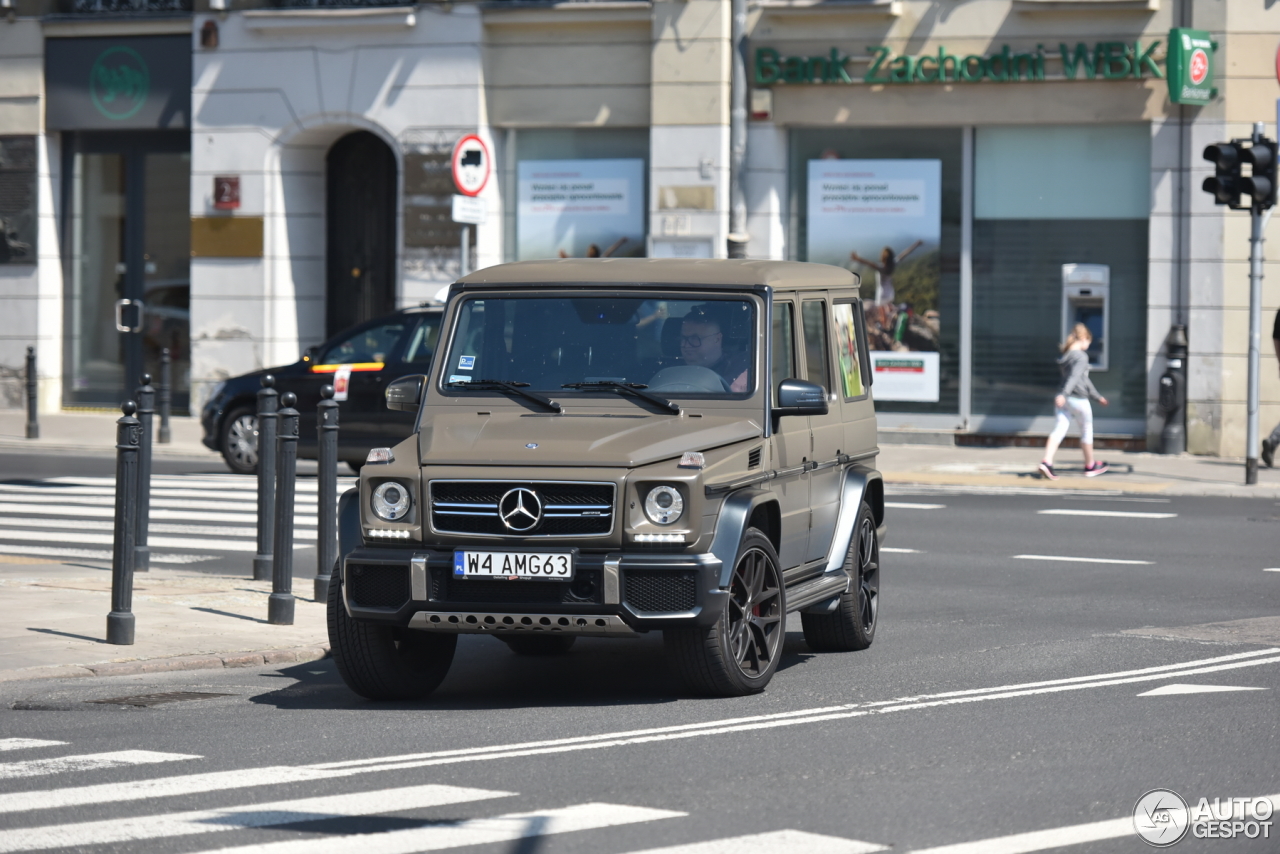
x: 739, y: 654
x: 239, y: 440
x: 851, y: 625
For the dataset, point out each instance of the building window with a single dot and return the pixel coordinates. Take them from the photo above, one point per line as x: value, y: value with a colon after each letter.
x: 1045, y: 197
x: 17, y: 200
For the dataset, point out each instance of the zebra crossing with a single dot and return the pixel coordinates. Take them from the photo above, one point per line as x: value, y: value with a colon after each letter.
x: 194, y: 517
x: 47, y: 820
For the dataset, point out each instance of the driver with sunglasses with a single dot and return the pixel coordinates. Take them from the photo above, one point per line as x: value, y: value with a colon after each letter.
x: 702, y: 345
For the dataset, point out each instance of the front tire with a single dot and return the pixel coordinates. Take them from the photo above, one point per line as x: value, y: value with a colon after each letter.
x: 538, y: 644
x: 739, y: 654
x: 382, y: 662
x: 238, y: 441
x: 852, y: 626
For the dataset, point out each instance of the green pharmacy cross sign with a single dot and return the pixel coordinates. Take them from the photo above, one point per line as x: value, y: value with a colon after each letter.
x: 119, y: 82
x: 1191, y: 67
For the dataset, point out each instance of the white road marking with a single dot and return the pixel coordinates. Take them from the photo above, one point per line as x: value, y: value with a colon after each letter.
x: 1083, y: 559
x: 906, y: 505
x: 1272, y: 569
x: 86, y: 762
x: 45, y: 496
x: 138, y: 828
x: 1043, y: 840
x: 224, y: 545
x: 249, y: 777
x: 157, y: 514
x: 1179, y: 688
x: 1117, y: 514
x: 893, y: 551
x: 476, y: 831
x: 94, y: 554
x: 774, y: 842
x: 153, y: 528
x: 7, y: 744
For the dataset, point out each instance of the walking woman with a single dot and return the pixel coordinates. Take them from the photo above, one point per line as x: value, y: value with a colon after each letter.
x: 1073, y: 402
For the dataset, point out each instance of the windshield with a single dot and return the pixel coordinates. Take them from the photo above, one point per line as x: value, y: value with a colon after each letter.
x: 703, y: 348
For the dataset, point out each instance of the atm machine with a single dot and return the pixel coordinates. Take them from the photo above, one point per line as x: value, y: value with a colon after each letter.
x: 1086, y: 298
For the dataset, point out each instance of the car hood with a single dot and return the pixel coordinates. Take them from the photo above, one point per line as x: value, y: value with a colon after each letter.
x: 574, y: 439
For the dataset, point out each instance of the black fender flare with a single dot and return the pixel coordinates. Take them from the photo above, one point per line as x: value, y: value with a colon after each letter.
x: 735, y: 514
x: 349, y: 536
x: 858, y: 483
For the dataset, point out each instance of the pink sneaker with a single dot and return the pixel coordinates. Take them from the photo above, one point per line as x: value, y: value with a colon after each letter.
x: 1098, y: 467
x: 1047, y: 470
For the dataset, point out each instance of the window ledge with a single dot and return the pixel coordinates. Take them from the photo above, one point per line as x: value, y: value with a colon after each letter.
x: 310, y: 20
x: 833, y: 8
x: 1086, y: 6
x: 573, y: 12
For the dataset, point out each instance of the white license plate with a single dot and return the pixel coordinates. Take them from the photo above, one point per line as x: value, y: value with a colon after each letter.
x: 539, y: 566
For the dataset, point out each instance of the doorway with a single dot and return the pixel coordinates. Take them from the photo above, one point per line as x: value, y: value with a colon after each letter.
x: 128, y: 264
x: 360, y: 224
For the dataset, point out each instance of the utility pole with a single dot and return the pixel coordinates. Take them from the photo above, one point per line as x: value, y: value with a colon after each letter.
x: 737, y: 237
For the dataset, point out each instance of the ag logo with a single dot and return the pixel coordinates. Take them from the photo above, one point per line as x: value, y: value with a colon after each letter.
x: 1161, y: 818
x: 119, y: 82
x: 1198, y: 67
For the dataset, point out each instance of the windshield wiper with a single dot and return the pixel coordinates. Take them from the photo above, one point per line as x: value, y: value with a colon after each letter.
x: 635, y: 389
x: 516, y: 388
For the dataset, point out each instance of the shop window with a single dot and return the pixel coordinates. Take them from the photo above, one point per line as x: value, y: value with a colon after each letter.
x: 579, y: 193
x: 17, y: 200
x: 886, y: 204
x: 1091, y: 207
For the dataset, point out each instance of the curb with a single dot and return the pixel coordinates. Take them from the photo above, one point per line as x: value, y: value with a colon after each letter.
x: 257, y: 658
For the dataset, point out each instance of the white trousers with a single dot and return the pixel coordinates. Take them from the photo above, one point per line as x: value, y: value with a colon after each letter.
x: 1079, y: 409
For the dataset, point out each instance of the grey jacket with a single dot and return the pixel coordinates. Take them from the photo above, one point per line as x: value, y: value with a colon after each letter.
x: 1074, y: 365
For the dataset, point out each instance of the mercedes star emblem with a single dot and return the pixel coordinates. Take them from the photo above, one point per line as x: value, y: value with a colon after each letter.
x: 520, y: 510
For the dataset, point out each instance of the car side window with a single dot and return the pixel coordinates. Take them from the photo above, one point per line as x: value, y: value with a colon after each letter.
x: 784, y: 344
x: 372, y: 344
x: 848, y: 354
x: 423, y: 345
x: 817, y: 351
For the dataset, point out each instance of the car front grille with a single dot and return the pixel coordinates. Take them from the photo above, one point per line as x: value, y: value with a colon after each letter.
x: 377, y: 585
x: 660, y: 590
x: 586, y: 588
x: 569, y: 509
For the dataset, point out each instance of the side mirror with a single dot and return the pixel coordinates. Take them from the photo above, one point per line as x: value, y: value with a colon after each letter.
x: 801, y: 397
x: 405, y: 394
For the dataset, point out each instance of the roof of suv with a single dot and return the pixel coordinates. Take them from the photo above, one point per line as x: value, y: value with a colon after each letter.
x: 642, y: 272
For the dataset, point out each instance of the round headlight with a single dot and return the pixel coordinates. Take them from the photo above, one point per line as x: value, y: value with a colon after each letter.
x: 663, y: 505
x: 391, y: 501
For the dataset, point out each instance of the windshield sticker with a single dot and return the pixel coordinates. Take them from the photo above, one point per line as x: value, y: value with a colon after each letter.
x: 459, y: 378
x: 466, y: 363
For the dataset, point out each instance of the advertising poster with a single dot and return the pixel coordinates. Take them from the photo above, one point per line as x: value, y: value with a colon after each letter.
x: 883, y: 220
x: 580, y: 209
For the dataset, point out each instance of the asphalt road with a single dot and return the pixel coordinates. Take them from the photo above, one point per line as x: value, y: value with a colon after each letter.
x: 1002, y: 696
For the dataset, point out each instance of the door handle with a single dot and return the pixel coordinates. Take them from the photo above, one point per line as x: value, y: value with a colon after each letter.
x: 121, y: 326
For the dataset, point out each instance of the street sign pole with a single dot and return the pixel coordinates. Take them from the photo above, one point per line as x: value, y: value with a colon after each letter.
x: 462, y: 257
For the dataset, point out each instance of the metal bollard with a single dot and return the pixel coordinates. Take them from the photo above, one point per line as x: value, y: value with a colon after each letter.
x: 280, y: 602
x: 128, y: 436
x: 266, y: 477
x: 33, y: 417
x: 166, y: 396
x: 326, y: 491
x: 146, y: 417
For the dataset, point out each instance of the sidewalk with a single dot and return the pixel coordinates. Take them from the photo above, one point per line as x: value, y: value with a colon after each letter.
x: 1015, y: 468
x: 95, y: 433
x: 54, y: 619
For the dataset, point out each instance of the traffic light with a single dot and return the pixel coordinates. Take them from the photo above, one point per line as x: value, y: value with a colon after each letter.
x: 1225, y: 183
x: 1260, y: 186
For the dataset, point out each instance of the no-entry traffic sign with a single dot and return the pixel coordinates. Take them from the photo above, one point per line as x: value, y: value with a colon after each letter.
x: 471, y: 165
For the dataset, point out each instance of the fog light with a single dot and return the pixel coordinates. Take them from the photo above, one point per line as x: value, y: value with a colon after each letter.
x: 382, y: 533
x: 659, y: 538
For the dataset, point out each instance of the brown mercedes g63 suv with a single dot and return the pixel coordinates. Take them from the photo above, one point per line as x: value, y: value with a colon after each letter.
x: 612, y: 446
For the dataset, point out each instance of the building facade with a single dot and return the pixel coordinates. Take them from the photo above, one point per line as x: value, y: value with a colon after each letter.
x: 238, y: 183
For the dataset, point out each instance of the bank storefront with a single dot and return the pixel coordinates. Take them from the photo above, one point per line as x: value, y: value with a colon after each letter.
x: 990, y: 195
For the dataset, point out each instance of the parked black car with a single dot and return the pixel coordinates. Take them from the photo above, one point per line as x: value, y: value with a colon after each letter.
x: 367, y: 357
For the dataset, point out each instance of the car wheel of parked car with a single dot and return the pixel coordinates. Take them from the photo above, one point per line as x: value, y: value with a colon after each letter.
x: 538, y: 644
x: 852, y: 625
x: 383, y: 662
x: 739, y: 654
x: 239, y: 440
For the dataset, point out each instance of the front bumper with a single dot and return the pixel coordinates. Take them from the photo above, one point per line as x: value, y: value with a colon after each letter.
x: 613, y: 593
